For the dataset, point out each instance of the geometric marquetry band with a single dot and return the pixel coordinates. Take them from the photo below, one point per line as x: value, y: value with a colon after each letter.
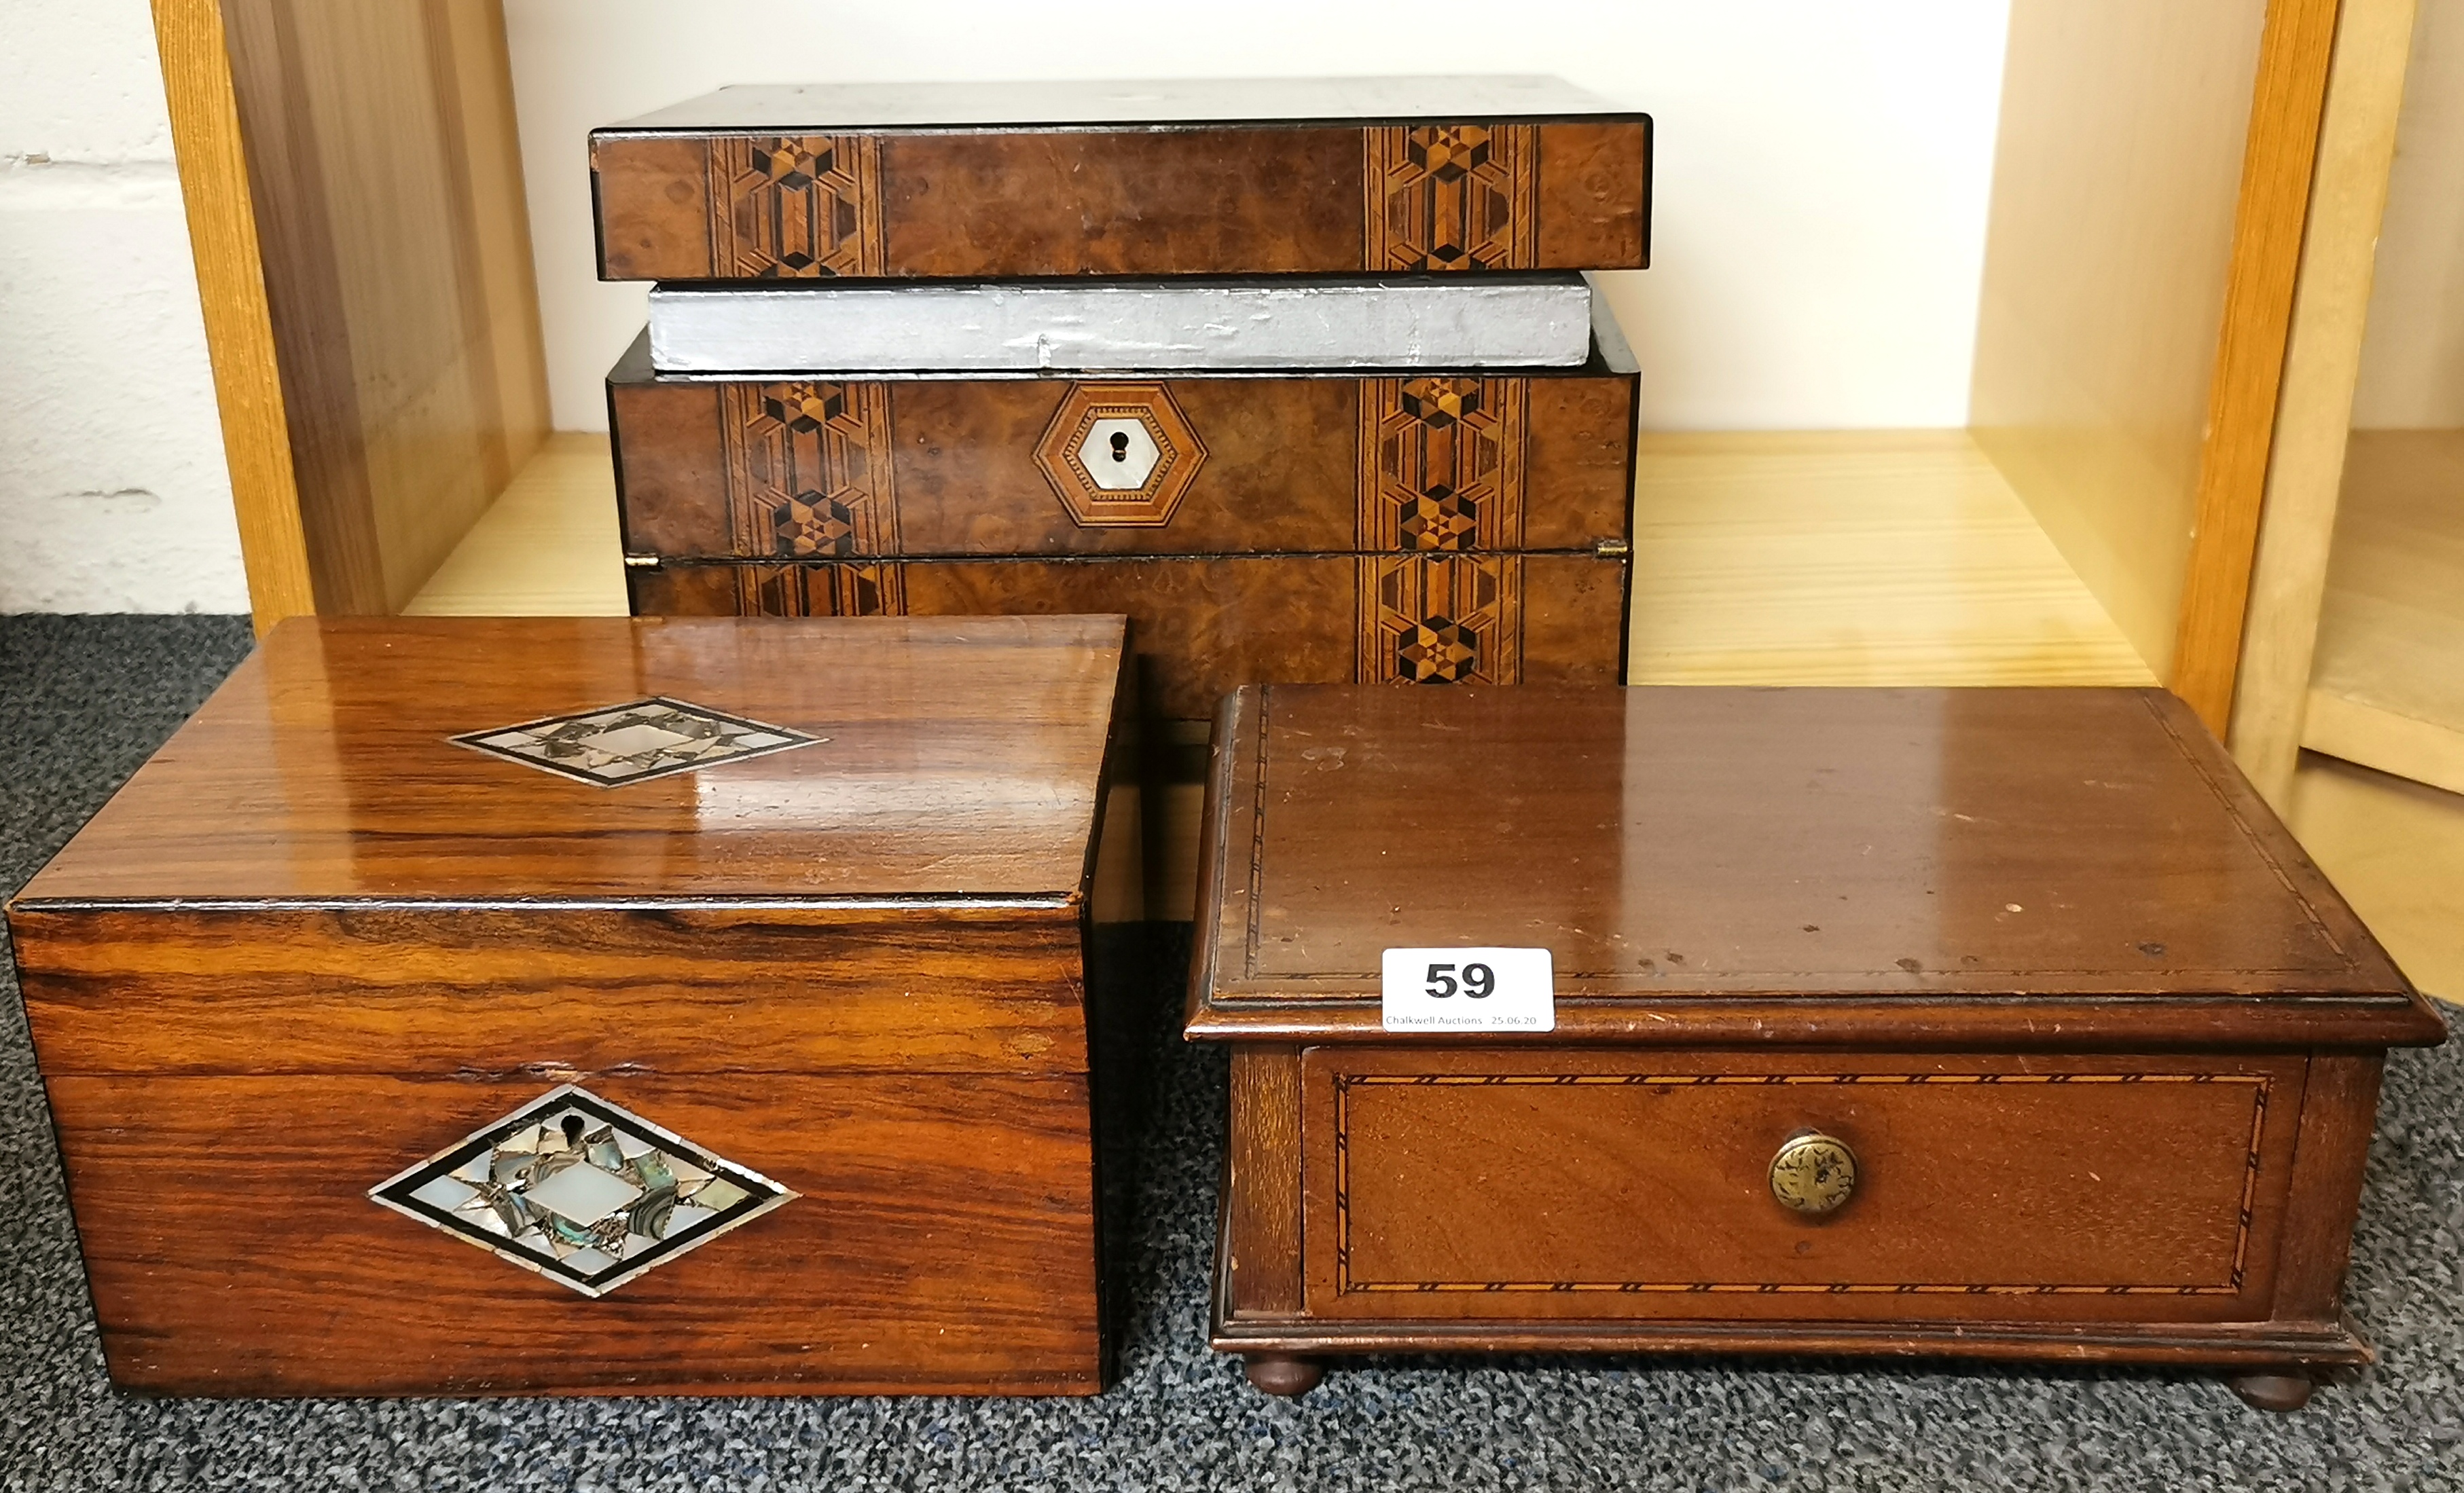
x: 1345, y: 1284
x: 1451, y: 197
x: 795, y: 206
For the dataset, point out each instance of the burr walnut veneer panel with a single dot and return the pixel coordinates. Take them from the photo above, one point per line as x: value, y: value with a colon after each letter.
x: 1326, y: 176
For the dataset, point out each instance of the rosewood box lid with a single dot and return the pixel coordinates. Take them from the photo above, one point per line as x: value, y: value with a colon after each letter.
x: 1267, y: 176
x: 2038, y: 867
x: 608, y: 759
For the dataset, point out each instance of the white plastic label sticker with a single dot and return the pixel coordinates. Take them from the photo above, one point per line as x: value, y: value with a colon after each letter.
x: 1468, y: 990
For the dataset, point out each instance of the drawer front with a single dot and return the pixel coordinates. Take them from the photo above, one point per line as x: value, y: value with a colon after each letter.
x: 1438, y: 197
x: 942, y: 1239
x: 1224, y: 466
x: 1204, y: 626
x: 1500, y: 1185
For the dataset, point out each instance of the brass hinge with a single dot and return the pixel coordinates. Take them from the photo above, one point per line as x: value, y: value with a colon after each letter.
x: 641, y: 563
x: 1612, y: 549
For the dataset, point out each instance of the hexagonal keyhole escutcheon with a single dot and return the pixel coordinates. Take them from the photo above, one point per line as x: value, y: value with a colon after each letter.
x: 1120, y: 454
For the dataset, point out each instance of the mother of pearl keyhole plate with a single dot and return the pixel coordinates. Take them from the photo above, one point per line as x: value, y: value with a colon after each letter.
x: 1120, y: 454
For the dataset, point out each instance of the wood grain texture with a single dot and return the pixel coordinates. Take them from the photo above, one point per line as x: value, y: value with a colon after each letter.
x: 962, y: 762
x: 1877, y: 856
x: 239, y: 328
x: 2348, y: 196
x: 1289, y: 465
x: 548, y: 546
x: 1853, y: 557
x: 975, y: 203
x: 385, y: 193
x: 569, y: 993
x: 1201, y: 626
x: 1487, y: 1183
x: 2110, y: 239
x: 1262, y: 1180
x: 2295, y: 53
x: 943, y: 1241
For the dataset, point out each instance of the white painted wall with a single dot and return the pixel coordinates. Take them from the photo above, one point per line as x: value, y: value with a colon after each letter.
x: 113, y: 493
x: 2412, y: 362
x: 1823, y: 173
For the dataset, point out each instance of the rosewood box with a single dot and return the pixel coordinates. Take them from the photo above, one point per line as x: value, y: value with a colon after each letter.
x: 1275, y: 176
x: 594, y: 1006
x: 1987, y: 1023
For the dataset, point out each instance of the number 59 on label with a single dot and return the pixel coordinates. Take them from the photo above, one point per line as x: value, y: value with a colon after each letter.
x: 1468, y: 990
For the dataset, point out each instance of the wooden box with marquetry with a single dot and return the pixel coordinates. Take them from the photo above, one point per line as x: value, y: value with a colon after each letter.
x: 594, y: 1006
x: 1309, y: 386
x: 1986, y: 1023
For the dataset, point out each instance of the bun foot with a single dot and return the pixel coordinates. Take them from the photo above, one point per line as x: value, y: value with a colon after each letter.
x: 2278, y: 1392
x: 1277, y: 1373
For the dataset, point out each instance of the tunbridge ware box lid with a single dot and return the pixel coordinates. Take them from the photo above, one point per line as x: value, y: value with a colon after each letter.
x: 1270, y: 176
x: 2056, y: 868
x: 607, y: 759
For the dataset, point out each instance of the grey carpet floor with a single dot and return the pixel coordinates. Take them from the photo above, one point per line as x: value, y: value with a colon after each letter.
x: 83, y: 700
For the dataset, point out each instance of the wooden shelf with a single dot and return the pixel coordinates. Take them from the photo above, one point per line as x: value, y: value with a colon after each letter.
x: 2387, y: 683
x: 2395, y: 850
x: 1853, y: 557
x: 548, y: 547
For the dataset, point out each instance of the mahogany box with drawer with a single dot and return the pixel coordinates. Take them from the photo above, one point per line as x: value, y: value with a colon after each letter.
x: 2001, y: 1023
x: 594, y: 1006
x: 1275, y: 176
x: 1432, y: 526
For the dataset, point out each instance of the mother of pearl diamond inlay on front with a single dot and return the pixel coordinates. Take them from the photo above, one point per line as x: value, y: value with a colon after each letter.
x: 635, y: 742
x: 582, y: 1190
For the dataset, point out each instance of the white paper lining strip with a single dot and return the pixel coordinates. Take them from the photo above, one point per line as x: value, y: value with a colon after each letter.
x: 1072, y: 328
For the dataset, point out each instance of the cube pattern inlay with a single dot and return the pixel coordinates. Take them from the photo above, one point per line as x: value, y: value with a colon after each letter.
x: 580, y: 1190
x: 633, y: 742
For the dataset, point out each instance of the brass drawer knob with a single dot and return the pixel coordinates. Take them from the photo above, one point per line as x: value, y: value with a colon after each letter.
x: 1813, y: 1172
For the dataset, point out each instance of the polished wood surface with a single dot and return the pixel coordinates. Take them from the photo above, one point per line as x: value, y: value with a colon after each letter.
x: 962, y: 762
x: 1203, y: 626
x: 1068, y: 184
x: 1878, y: 857
x: 943, y: 1242
x: 952, y: 467
x: 2103, y: 1043
x: 2110, y: 240
x: 383, y: 278
x: 2322, y: 361
x: 314, y: 940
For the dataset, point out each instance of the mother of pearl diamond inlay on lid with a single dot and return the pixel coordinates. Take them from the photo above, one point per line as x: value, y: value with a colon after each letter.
x: 583, y: 1192
x: 635, y: 742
